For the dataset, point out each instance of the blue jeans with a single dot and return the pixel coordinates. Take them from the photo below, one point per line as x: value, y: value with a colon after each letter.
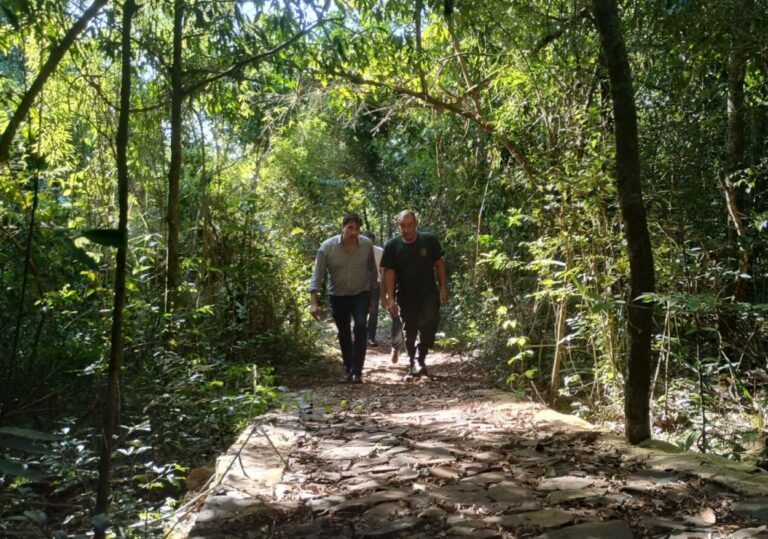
x: 345, y: 309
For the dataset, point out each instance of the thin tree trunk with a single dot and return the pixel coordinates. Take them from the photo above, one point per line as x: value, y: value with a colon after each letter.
x: 736, y: 149
x: 112, y: 405
x: 561, y: 327
x: 637, y: 388
x: 733, y: 192
x: 10, y: 368
x: 46, y: 71
x: 174, y: 172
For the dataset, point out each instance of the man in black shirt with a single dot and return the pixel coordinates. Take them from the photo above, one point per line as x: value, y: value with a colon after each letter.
x: 410, y: 263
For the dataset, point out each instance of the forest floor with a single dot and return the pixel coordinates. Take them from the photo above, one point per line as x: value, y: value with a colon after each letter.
x: 449, y: 456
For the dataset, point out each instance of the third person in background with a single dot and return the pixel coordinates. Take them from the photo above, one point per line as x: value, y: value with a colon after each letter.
x: 410, y: 263
x: 373, y: 316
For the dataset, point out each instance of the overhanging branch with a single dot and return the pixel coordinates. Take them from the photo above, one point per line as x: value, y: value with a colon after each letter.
x: 433, y: 102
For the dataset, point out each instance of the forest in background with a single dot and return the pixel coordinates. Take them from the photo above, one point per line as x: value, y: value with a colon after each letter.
x: 168, y: 169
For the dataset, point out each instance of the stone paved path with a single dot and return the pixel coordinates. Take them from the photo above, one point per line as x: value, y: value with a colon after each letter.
x: 447, y: 457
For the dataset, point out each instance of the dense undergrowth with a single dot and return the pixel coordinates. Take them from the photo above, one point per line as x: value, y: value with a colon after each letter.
x: 192, y: 379
x: 707, y: 396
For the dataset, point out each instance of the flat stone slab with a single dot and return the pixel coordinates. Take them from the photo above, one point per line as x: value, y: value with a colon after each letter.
x: 544, y: 518
x: 566, y: 482
x: 444, y: 473
x: 456, y: 495
x: 509, y: 492
x: 754, y: 508
x: 741, y: 477
x: 611, y: 529
x: 387, y: 529
x: 749, y: 533
x: 561, y: 496
x: 486, y: 478
x: 350, y: 451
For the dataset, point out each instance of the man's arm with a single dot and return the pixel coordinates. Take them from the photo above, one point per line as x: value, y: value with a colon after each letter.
x: 388, y: 291
x: 316, y: 283
x: 441, y: 280
x: 374, y: 271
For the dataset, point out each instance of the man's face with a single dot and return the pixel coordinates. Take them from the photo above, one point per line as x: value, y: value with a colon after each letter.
x: 350, y: 231
x: 408, y: 228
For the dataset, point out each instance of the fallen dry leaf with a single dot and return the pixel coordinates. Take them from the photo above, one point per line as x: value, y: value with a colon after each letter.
x: 708, y: 515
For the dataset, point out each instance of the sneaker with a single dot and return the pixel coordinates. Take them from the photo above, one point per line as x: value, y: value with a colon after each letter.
x: 420, y: 370
x: 395, y: 355
x: 408, y: 375
x: 347, y: 379
x: 372, y: 342
x: 357, y: 379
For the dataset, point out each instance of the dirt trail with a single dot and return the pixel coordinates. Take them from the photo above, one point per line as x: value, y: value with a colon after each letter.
x: 445, y: 456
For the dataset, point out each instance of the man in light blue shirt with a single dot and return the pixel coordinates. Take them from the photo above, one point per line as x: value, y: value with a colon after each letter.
x: 348, y: 261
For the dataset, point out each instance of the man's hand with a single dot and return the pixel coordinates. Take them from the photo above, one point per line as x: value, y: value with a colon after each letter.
x: 314, y: 305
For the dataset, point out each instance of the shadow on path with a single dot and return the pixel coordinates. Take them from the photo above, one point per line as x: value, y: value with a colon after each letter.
x: 446, y: 457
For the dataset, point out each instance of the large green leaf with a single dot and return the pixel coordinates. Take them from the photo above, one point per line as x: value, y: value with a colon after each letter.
x: 22, y: 444
x: 29, y: 434
x: 80, y: 254
x: 106, y: 236
x: 19, y: 469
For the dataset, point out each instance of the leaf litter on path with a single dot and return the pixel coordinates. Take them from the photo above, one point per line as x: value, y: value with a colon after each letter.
x: 449, y: 455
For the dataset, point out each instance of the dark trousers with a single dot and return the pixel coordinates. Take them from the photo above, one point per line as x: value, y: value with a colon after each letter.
x: 396, y: 335
x: 420, y: 316
x: 373, y: 317
x: 345, y: 309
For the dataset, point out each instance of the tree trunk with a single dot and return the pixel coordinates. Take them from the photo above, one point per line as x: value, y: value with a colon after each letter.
x: 205, y: 212
x: 112, y: 407
x: 174, y: 172
x: 561, y: 327
x: 736, y: 149
x: 637, y: 388
x: 733, y: 192
x: 46, y: 71
x: 10, y: 368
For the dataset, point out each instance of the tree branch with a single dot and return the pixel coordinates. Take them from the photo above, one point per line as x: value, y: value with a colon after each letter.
x: 560, y: 29
x: 256, y: 57
x: 46, y: 71
x: 435, y: 103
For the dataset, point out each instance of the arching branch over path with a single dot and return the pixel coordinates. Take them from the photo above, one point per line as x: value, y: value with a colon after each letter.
x: 433, y: 102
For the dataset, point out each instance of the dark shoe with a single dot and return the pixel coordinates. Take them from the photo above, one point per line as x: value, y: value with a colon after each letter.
x: 372, y: 342
x: 347, y: 379
x: 420, y: 370
x: 408, y: 375
x: 357, y: 379
x: 395, y: 356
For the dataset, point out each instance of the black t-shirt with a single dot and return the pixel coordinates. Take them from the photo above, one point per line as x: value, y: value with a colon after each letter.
x: 414, y: 264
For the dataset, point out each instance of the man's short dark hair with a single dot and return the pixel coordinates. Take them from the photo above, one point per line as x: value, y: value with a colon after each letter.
x: 348, y: 218
x: 368, y: 234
